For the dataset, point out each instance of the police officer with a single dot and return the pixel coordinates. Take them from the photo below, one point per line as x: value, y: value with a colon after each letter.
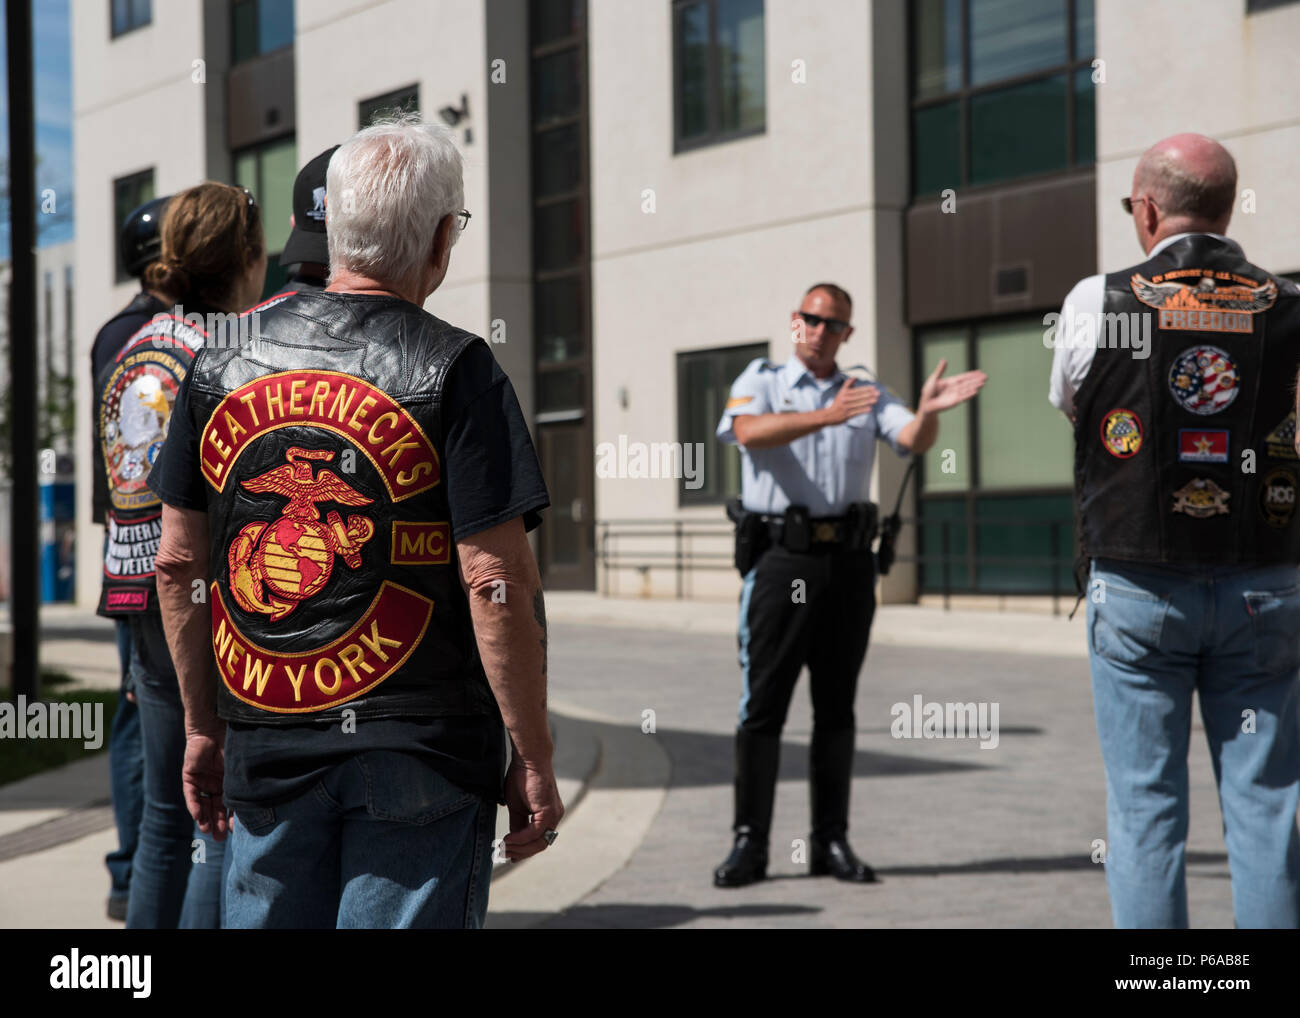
x: 140, y: 244
x: 352, y: 490
x: 807, y: 433
x: 306, y: 253
x: 1186, y: 477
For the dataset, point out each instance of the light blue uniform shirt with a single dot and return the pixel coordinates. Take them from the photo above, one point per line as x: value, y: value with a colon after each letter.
x: 825, y: 470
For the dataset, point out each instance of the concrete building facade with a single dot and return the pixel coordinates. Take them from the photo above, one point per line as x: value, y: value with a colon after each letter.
x: 654, y: 185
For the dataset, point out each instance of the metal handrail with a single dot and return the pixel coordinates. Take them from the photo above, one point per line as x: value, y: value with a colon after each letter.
x: 683, y: 558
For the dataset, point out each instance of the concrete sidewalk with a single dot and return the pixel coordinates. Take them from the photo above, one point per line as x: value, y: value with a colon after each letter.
x: 896, y: 625
x: 56, y: 827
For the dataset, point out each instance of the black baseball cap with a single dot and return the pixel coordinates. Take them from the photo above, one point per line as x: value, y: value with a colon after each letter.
x: 307, y: 241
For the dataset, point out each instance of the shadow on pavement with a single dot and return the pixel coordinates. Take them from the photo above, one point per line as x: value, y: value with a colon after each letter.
x: 1043, y: 864
x: 707, y: 758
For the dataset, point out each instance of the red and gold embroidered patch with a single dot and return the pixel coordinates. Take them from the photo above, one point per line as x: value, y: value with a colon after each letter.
x: 329, y: 675
x: 275, y: 565
x: 421, y: 544
x: 343, y: 404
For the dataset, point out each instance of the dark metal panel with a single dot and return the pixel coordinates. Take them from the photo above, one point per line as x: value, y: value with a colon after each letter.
x: 261, y: 99
x: 1045, y: 230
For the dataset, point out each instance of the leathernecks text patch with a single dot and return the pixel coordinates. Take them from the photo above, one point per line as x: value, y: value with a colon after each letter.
x: 347, y: 406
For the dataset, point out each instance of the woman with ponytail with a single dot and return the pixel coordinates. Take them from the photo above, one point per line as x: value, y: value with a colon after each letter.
x: 213, y: 262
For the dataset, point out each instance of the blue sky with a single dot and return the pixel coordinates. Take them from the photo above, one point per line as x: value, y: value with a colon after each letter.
x: 53, y: 65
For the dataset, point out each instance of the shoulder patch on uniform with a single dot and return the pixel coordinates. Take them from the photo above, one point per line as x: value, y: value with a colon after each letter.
x: 738, y: 401
x: 764, y: 364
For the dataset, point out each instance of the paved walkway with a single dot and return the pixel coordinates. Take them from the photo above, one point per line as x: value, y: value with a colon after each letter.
x: 962, y: 836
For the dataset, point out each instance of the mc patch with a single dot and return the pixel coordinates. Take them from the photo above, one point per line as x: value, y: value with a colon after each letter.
x: 1121, y: 433
x: 1277, y: 497
x: 1201, y: 498
x: 1203, y: 380
x: 1197, y: 446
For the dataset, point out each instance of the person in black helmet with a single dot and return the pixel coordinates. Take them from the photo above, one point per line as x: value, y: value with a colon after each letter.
x: 140, y: 245
x: 306, y: 253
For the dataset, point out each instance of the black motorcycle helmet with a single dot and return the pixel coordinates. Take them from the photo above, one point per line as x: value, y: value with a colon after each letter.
x: 142, y: 235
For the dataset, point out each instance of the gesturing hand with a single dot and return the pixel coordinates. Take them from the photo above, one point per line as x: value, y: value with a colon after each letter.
x: 851, y: 401
x: 939, y: 393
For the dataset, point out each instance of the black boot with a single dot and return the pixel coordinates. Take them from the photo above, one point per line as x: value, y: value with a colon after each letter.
x: 831, y: 771
x: 757, y: 759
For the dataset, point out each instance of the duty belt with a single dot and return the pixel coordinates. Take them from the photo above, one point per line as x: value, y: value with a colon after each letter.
x: 855, y: 530
x: 824, y: 529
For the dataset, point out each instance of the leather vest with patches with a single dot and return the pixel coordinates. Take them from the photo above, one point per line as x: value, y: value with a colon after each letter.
x: 1185, y: 423
x: 134, y: 396
x: 334, y: 579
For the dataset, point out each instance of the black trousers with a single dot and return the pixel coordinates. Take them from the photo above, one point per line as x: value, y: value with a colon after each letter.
x: 812, y: 608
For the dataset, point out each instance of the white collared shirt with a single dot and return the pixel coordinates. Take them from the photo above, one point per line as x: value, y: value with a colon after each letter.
x: 826, y: 470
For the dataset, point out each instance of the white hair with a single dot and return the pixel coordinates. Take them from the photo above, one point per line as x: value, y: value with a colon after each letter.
x: 387, y: 189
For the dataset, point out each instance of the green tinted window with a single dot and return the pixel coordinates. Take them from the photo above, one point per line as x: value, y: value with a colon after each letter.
x: 1017, y: 132
x: 936, y: 133
x: 279, y: 168
x: 1023, y: 440
x: 740, y: 65
x: 1084, y: 27
x: 1025, y: 544
x: 1010, y: 38
x: 1085, y: 118
x: 937, y: 48
x: 945, y: 545
x: 954, y: 431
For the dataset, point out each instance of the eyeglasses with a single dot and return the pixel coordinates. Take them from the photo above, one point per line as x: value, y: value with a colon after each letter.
x: 462, y: 219
x: 833, y: 325
x: 1128, y: 202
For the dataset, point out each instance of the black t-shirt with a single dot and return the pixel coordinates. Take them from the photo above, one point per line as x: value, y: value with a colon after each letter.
x: 107, y: 345
x: 484, y: 431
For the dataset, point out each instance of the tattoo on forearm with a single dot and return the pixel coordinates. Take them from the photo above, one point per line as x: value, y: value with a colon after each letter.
x: 539, y: 613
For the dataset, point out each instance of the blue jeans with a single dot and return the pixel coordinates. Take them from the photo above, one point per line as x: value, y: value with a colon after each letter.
x: 381, y: 841
x: 1156, y: 634
x: 169, y: 889
x: 126, y: 773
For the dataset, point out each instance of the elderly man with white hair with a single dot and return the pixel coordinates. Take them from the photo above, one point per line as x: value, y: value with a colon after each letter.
x: 353, y: 607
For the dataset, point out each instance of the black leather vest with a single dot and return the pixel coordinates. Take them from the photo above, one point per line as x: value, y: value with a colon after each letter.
x: 135, y: 393
x: 1186, y: 455
x: 111, y: 337
x: 335, y: 582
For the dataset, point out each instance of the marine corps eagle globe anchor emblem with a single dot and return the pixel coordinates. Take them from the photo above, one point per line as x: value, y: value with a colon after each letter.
x: 292, y: 558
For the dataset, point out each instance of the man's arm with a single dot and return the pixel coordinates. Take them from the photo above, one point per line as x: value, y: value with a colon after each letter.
x: 1074, y: 339
x: 506, y: 604
x: 764, y: 431
x: 937, y: 394
x: 182, y: 559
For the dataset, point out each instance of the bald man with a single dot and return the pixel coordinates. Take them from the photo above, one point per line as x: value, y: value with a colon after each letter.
x: 1178, y: 376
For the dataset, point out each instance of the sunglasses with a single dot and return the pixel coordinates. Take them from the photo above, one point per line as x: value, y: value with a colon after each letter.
x: 1128, y: 202
x: 252, y: 212
x: 834, y: 326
